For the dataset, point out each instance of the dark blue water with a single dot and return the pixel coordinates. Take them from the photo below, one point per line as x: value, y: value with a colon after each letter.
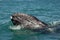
x: 45, y: 10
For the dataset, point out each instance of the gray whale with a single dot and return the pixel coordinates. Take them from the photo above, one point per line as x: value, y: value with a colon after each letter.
x: 28, y: 21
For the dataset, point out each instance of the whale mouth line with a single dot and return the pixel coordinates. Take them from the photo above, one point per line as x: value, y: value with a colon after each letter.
x: 15, y: 22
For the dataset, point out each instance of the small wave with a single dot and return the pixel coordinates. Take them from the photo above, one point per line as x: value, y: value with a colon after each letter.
x: 39, y: 9
x: 54, y: 26
x: 54, y: 23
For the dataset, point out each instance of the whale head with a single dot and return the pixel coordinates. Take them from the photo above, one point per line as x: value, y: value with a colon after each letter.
x: 17, y: 19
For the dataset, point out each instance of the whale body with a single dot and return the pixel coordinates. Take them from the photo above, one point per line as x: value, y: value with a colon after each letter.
x: 28, y: 21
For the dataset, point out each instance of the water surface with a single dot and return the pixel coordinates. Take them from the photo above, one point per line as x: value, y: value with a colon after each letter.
x: 45, y: 10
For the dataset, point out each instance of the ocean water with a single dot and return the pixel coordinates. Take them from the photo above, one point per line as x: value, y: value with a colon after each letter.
x: 46, y: 10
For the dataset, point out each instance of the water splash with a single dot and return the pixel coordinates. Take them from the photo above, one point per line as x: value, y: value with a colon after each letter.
x: 54, y: 26
x: 15, y: 27
x: 54, y: 23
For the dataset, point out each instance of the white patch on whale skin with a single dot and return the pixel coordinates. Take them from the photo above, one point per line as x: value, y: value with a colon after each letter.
x: 11, y: 17
x: 36, y: 26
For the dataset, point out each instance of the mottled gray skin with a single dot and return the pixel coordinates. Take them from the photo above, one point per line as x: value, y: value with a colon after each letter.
x: 28, y: 21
